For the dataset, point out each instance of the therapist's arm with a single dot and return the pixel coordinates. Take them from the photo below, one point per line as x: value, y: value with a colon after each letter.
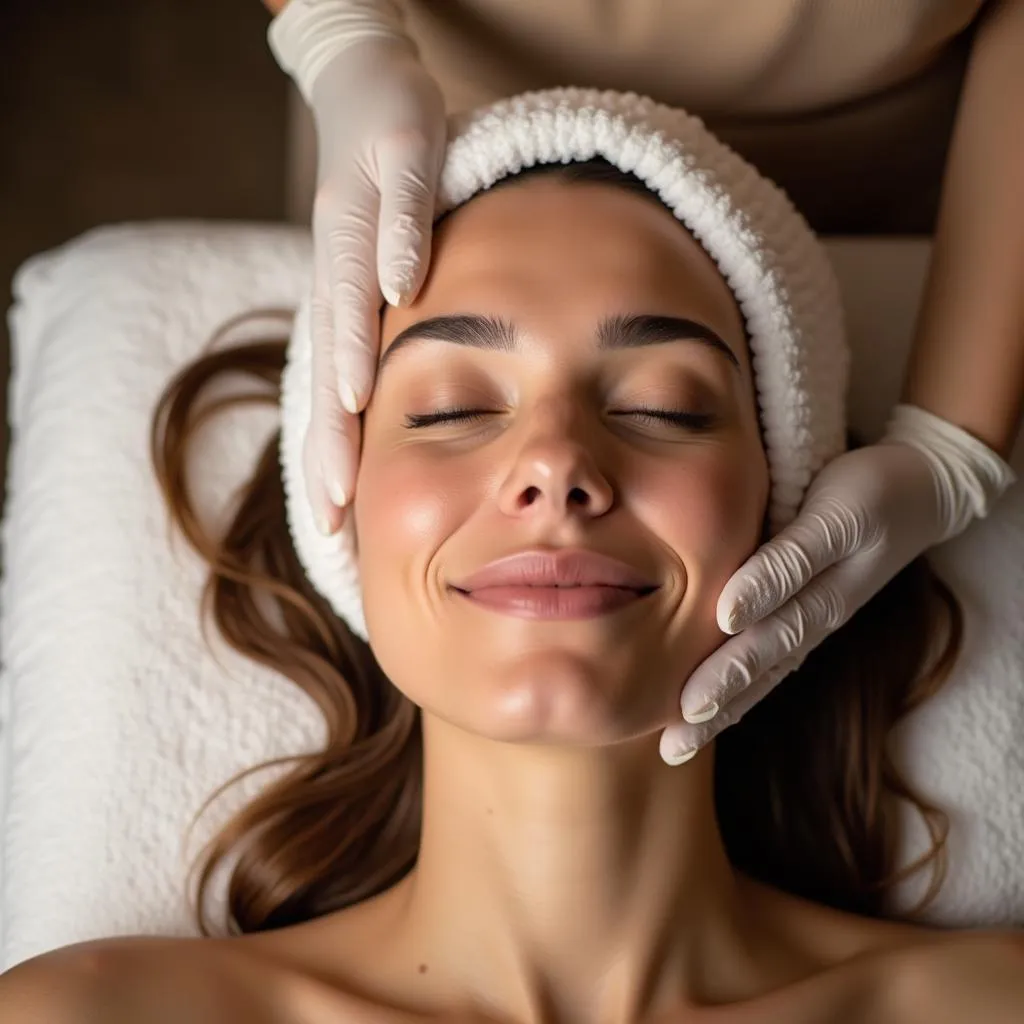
x: 967, y: 363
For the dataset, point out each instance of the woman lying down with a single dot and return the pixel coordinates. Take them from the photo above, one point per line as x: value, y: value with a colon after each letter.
x: 584, y: 424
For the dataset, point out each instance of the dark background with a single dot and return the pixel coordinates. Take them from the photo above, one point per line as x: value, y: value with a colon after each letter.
x: 114, y: 110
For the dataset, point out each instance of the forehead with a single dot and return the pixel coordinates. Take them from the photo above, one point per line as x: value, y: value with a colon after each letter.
x: 556, y: 252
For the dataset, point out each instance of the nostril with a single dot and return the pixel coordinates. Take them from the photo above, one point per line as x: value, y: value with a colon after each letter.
x: 577, y: 497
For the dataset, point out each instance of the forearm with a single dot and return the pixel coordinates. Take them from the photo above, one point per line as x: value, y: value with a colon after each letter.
x: 967, y: 365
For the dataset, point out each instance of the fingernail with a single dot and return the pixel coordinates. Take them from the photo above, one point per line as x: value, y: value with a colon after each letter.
x: 337, y: 493
x: 348, y: 398
x: 682, y: 757
x: 323, y: 524
x: 705, y: 714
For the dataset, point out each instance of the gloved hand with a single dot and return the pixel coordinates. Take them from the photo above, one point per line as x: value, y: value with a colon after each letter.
x: 381, y: 134
x: 866, y: 515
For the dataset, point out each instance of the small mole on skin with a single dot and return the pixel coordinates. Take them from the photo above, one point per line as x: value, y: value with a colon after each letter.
x: 423, y: 968
x: 490, y: 810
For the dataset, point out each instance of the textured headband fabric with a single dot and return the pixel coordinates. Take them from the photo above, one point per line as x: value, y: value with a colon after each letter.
x: 773, y: 263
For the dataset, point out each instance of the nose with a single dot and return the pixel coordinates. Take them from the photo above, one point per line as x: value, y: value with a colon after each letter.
x: 553, y: 473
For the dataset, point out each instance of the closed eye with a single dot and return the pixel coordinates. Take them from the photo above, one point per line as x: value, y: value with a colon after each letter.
x: 675, y: 417
x: 428, y: 419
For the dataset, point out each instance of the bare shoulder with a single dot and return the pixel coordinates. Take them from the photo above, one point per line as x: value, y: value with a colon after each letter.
x: 961, y: 976
x: 158, y: 980
x: 58, y: 987
x: 898, y: 972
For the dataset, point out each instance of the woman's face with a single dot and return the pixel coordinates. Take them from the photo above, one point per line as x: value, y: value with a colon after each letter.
x: 579, y: 306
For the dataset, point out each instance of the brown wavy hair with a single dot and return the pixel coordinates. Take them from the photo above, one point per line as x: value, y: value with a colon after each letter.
x: 807, y: 792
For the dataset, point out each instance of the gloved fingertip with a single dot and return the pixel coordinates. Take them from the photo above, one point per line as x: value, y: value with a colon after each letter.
x: 740, y: 605
x: 412, y: 283
x: 337, y: 492
x: 401, y: 288
x: 704, y: 714
x: 678, y: 757
x: 678, y: 745
x: 733, y: 618
x: 339, y: 480
x: 349, y: 398
x: 354, y: 384
x: 405, y: 269
x: 323, y: 524
x: 325, y: 516
x: 330, y: 520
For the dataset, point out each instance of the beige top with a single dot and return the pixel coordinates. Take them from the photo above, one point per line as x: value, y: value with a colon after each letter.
x: 848, y: 104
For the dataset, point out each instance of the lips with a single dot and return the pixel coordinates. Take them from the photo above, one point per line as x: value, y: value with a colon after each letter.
x: 562, y: 584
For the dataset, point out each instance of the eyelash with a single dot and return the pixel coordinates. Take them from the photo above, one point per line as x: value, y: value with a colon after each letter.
x: 684, y: 420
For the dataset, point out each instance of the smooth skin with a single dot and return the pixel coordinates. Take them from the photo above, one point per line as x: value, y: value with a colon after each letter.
x: 566, y: 874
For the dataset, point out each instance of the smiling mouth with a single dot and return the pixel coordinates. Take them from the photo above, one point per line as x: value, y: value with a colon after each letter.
x: 556, y: 600
x: 556, y: 583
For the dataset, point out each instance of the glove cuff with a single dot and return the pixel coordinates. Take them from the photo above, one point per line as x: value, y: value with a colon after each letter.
x: 308, y: 34
x: 969, y: 476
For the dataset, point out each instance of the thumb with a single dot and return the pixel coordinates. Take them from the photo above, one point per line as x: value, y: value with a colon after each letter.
x: 408, y: 183
x: 823, y: 532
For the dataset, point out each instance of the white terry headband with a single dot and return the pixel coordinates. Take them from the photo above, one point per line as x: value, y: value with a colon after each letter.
x: 777, y: 270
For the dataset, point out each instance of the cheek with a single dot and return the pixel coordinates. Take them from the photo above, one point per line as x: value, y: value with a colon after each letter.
x: 402, y: 514
x: 710, y: 508
x: 399, y: 508
x: 406, y: 507
x: 708, y: 511
x: 399, y: 515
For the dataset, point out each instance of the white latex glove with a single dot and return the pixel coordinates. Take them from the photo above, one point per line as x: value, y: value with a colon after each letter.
x: 866, y: 515
x: 381, y: 134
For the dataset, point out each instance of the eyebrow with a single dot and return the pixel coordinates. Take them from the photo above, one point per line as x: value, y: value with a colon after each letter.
x: 618, y: 331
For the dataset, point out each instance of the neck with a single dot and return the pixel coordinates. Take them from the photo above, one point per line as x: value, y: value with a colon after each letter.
x: 554, y: 884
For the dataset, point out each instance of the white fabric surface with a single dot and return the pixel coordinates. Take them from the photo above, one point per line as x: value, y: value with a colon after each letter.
x: 116, y: 719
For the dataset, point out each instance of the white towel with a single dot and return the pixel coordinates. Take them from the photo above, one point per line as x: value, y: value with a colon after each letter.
x: 119, y: 721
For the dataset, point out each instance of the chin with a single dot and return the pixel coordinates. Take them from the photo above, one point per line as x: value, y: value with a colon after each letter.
x: 562, y: 698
